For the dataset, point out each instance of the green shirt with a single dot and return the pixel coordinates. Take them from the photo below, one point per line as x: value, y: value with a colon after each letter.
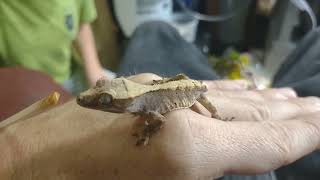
x: 38, y: 34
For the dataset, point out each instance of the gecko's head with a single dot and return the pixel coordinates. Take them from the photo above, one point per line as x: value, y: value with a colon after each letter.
x: 96, y: 97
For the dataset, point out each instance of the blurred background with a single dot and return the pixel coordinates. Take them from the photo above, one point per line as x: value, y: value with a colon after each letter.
x: 241, y: 39
x: 75, y: 43
x: 257, y: 33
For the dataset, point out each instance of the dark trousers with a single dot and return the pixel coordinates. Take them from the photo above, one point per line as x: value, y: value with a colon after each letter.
x: 158, y: 48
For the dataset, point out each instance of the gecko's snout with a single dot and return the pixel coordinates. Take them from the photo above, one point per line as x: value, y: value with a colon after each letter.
x: 79, y: 100
x: 85, y: 101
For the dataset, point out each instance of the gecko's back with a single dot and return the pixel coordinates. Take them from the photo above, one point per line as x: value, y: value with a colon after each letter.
x: 169, y: 96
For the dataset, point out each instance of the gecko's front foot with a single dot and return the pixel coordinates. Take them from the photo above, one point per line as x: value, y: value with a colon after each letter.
x: 153, y: 122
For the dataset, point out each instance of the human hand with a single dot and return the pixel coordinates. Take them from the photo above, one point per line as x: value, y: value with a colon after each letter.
x: 71, y: 142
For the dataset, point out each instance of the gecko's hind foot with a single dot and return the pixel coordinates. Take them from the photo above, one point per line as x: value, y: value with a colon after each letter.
x: 144, y: 134
x: 228, y: 119
x: 216, y: 116
x: 142, y: 141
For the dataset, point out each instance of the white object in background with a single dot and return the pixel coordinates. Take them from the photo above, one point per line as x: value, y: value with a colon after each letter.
x: 185, y: 25
x: 304, y: 6
x: 109, y: 74
x: 132, y: 13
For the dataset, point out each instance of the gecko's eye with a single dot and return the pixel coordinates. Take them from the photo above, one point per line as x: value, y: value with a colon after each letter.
x: 105, y: 99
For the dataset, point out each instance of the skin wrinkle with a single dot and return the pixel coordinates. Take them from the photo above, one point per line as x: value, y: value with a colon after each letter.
x: 315, y: 127
x: 245, y: 95
x: 298, y: 105
x: 310, y: 132
x: 249, y: 143
x: 241, y: 112
x: 262, y: 111
x: 226, y: 149
x: 181, y: 155
x: 234, y: 157
x: 259, y: 111
x: 206, y: 144
x: 193, y: 139
x: 280, y: 139
x: 257, y: 95
x: 305, y: 107
x: 201, y: 161
x: 289, y: 139
x: 277, y: 107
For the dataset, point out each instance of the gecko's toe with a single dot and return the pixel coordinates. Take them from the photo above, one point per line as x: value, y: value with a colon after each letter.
x: 216, y: 116
x: 142, y: 141
x: 229, y: 119
x: 146, y: 141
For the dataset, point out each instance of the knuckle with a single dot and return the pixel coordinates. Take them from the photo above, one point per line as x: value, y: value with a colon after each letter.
x: 308, y: 103
x: 261, y: 112
x: 272, y: 94
x: 313, y: 100
x: 255, y: 95
x: 301, y: 105
x: 248, y: 95
x: 290, y: 91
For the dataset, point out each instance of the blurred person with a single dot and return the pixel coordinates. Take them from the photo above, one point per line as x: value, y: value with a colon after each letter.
x: 39, y: 35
